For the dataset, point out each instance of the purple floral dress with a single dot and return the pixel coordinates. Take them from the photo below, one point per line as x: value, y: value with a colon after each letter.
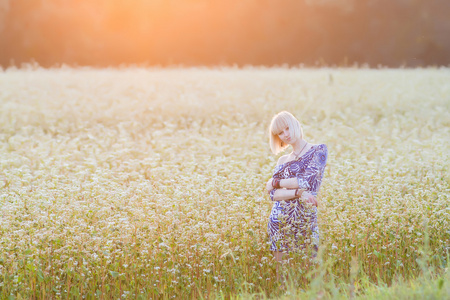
x: 292, y: 224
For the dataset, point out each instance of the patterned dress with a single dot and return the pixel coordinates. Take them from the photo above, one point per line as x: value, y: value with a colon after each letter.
x: 293, y: 224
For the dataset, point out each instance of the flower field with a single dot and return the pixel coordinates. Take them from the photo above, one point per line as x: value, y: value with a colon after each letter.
x: 149, y: 183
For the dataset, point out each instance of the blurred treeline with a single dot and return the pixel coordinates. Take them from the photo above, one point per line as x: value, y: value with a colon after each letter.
x: 225, y: 32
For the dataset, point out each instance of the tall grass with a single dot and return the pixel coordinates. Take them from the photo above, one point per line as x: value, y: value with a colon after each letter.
x: 149, y: 183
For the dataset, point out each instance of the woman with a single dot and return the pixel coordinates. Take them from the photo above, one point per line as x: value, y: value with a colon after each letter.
x: 293, y: 188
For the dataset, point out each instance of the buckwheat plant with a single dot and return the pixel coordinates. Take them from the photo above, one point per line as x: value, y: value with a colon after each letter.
x: 141, y: 183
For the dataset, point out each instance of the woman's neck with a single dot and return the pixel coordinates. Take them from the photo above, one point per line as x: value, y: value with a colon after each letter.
x: 298, y: 146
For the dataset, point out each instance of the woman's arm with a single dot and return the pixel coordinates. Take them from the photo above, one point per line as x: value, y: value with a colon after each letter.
x: 290, y: 183
x: 288, y: 189
x: 284, y: 194
x: 291, y: 194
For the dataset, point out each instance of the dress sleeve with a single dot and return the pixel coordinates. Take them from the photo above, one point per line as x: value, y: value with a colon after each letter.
x: 272, y: 192
x: 313, y: 174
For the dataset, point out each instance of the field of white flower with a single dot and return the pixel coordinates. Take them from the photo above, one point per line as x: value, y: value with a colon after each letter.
x: 149, y: 183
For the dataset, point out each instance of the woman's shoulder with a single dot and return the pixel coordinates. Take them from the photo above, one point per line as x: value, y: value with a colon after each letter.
x: 282, y: 159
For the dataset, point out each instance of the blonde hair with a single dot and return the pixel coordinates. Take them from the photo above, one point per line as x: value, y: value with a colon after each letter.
x: 279, y: 122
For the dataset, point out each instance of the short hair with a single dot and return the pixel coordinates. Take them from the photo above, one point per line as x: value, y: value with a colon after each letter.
x: 279, y: 122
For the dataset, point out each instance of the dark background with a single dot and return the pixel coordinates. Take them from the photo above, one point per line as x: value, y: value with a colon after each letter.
x: 100, y: 33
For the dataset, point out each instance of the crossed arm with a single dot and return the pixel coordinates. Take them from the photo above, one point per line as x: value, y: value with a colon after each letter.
x: 287, y: 191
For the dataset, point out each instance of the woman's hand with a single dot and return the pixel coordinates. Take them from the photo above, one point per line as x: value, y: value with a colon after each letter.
x: 310, y: 198
x: 269, y: 186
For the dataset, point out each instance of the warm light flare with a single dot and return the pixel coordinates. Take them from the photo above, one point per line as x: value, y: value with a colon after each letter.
x: 214, y: 32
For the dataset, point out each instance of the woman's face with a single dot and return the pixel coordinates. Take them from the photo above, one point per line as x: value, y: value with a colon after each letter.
x: 285, y: 136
